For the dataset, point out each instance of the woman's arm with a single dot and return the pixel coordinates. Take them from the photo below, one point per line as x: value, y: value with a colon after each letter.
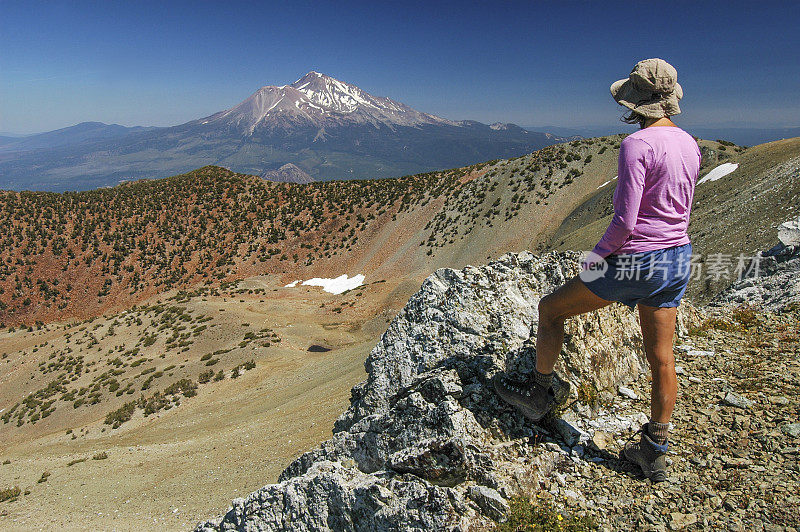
x: 634, y: 156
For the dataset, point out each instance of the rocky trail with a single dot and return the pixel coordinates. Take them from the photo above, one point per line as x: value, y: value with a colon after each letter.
x: 427, y: 444
x: 734, y: 443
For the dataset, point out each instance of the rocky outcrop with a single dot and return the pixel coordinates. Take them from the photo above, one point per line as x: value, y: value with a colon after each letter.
x: 426, y: 444
x: 772, y: 279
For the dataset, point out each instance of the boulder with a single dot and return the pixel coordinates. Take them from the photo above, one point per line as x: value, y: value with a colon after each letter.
x: 789, y: 232
x: 488, y: 500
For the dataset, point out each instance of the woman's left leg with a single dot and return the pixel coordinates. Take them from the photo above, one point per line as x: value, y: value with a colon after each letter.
x: 569, y: 300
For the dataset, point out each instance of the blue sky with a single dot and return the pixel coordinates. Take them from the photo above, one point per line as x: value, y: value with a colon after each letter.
x: 531, y: 63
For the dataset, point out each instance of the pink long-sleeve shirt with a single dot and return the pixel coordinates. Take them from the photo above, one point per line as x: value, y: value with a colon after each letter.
x: 658, y: 168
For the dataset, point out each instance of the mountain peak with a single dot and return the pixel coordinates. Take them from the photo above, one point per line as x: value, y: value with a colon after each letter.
x: 318, y: 100
x: 312, y: 74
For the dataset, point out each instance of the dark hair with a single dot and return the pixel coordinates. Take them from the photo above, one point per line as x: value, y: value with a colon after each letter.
x: 634, y: 118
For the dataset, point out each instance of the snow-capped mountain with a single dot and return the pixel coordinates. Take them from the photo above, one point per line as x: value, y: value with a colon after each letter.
x: 323, y: 127
x: 317, y: 99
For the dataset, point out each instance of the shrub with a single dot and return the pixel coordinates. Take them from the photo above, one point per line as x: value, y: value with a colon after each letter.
x: 149, y: 340
x: 146, y: 384
x: 718, y: 324
x: 184, y: 386
x: 120, y: 415
x: 526, y: 514
x: 745, y: 315
x: 154, y: 403
x: 587, y: 394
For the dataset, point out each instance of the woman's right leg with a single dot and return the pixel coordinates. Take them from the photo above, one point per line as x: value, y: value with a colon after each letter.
x: 569, y: 300
x: 658, y: 327
x: 649, y: 453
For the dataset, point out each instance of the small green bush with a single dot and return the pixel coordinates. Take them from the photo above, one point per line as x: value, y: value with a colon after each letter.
x: 120, y: 415
x: 525, y: 514
x: 718, y: 324
x: 184, y: 386
x: 745, y: 315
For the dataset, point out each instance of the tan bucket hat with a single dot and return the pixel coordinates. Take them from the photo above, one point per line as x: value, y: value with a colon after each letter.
x: 651, y: 90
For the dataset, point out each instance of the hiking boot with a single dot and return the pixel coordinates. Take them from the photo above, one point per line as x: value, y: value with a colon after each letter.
x: 649, y: 456
x: 530, y: 398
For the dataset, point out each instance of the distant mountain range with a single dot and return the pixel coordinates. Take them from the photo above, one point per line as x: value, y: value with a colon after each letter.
x: 77, y: 135
x: 743, y: 136
x: 323, y: 127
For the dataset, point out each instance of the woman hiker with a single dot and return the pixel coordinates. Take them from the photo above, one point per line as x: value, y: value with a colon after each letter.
x: 643, y: 259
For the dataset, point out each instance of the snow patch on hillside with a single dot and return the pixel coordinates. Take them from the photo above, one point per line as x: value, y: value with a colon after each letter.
x: 719, y: 172
x: 338, y: 285
x: 334, y: 286
x: 607, y: 182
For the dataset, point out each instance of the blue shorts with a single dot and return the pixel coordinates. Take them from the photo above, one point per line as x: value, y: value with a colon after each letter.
x: 655, y: 278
